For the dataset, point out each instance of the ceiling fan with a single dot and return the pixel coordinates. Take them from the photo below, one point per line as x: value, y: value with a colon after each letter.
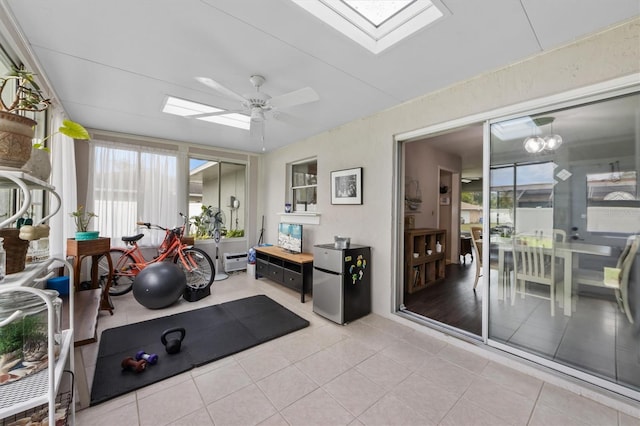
x: 258, y: 103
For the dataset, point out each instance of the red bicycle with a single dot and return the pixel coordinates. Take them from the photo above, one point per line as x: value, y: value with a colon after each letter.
x: 128, y: 262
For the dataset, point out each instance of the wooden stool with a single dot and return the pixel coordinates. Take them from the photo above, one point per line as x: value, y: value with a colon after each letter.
x: 97, y: 248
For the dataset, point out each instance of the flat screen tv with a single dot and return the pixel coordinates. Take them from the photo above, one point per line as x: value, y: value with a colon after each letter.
x: 290, y: 237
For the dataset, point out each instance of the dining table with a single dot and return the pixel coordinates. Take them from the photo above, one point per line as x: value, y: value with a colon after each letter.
x: 568, y: 251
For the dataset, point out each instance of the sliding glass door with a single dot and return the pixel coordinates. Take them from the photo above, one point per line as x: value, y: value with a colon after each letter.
x: 563, y: 236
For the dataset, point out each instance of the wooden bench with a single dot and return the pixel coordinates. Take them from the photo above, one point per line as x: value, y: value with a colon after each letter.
x: 85, y: 331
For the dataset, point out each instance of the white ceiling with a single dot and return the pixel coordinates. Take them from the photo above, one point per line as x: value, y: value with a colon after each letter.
x: 112, y: 63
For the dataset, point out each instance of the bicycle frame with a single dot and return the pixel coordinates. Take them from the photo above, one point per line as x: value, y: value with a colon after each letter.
x: 175, y: 247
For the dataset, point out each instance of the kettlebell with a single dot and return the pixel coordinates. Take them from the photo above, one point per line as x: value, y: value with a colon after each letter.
x: 172, y: 346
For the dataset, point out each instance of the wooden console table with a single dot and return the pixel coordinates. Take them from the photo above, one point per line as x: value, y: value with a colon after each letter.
x: 294, y: 271
x: 97, y: 248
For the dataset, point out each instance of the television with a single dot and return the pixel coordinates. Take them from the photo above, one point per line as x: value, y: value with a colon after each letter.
x: 290, y: 237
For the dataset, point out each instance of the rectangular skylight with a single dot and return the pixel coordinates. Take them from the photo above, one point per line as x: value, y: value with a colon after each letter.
x: 518, y: 128
x: 376, y: 25
x: 376, y: 11
x: 185, y: 108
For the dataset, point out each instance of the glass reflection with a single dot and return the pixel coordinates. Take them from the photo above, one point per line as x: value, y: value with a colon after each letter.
x: 572, y: 215
x: 221, y: 186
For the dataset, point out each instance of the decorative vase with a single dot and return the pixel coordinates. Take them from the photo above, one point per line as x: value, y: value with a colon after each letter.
x: 16, y: 134
x: 87, y: 235
x: 39, y: 164
x: 16, y: 249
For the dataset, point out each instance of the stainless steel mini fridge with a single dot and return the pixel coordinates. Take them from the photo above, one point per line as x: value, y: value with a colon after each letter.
x: 341, y: 282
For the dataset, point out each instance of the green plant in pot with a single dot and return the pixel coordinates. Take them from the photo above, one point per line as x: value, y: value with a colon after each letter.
x: 18, y: 339
x: 204, y: 223
x: 83, y: 219
x: 19, y: 93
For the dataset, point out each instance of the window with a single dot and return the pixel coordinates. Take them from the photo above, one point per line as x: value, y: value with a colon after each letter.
x: 130, y: 184
x: 222, y: 186
x: 304, y: 184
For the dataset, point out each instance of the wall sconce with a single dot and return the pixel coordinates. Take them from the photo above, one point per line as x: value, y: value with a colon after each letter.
x: 535, y: 144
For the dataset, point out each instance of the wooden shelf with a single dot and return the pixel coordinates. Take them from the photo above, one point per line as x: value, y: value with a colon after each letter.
x: 425, y: 269
x: 291, y: 270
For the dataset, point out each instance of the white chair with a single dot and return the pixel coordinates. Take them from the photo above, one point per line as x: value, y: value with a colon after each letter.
x: 476, y: 238
x: 616, y: 278
x: 559, y: 235
x: 533, y: 262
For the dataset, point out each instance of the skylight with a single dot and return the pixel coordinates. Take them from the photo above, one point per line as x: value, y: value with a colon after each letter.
x: 185, y: 108
x: 376, y: 25
x: 377, y: 12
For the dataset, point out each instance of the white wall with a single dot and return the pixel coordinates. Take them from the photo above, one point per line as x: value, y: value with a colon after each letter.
x: 369, y: 142
x: 421, y: 163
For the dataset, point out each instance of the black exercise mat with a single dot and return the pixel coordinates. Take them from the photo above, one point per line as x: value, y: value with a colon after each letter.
x: 212, y: 333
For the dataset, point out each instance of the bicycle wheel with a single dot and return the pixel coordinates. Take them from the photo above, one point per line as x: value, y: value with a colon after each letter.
x: 121, y: 280
x: 200, y: 271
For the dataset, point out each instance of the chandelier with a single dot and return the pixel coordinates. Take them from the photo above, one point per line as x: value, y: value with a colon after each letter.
x: 536, y: 144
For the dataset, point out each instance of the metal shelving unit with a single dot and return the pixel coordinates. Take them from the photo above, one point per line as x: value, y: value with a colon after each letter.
x: 39, y: 388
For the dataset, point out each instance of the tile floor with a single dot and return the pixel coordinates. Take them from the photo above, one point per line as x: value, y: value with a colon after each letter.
x: 373, y: 371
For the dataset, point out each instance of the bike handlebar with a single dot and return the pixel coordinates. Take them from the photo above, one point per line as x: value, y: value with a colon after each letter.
x: 149, y: 225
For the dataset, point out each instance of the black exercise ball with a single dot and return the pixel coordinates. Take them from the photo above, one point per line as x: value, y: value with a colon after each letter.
x: 159, y: 285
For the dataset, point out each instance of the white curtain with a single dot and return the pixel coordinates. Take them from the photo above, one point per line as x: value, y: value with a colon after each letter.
x: 129, y: 183
x: 63, y: 178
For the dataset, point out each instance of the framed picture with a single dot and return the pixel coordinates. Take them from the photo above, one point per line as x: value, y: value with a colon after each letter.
x: 445, y: 201
x: 346, y: 186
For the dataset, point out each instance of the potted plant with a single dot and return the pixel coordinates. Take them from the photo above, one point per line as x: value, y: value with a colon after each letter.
x: 19, y: 93
x: 83, y: 219
x: 203, y: 223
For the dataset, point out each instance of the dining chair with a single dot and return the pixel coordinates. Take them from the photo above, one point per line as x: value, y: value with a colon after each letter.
x: 476, y: 238
x: 616, y: 278
x: 534, y: 262
x: 559, y: 235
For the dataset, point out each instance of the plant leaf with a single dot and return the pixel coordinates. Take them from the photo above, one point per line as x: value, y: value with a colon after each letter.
x: 74, y: 130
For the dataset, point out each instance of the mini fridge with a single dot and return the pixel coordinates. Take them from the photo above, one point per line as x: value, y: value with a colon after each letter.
x: 341, y: 282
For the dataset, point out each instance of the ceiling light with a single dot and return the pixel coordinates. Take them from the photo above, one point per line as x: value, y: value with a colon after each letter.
x: 535, y: 144
x: 552, y: 141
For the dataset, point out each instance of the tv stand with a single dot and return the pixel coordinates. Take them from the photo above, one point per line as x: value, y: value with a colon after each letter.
x: 292, y: 270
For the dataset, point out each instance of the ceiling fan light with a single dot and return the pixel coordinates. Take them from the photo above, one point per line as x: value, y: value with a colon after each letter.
x: 257, y: 114
x: 553, y: 141
x: 534, y: 144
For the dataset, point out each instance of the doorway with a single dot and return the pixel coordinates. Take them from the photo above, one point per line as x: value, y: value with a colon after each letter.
x: 442, y: 165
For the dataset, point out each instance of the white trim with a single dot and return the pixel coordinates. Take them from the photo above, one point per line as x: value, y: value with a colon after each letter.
x: 621, y: 85
x: 305, y: 218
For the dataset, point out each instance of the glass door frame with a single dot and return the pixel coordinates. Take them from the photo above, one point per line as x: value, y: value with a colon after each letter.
x: 597, y: 92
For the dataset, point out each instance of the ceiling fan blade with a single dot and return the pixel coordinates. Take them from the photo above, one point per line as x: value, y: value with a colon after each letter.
x: 220, y: 88
x: 289, y: 119
x: 297, y: 97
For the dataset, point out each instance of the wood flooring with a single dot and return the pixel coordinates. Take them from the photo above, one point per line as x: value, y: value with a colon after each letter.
x: 451, y: 301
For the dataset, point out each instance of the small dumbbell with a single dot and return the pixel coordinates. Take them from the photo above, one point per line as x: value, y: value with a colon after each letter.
x: 131, y: 364
x: 150, y: 358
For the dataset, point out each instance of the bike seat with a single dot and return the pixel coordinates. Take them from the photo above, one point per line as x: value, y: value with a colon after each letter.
x: 132, y: 239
